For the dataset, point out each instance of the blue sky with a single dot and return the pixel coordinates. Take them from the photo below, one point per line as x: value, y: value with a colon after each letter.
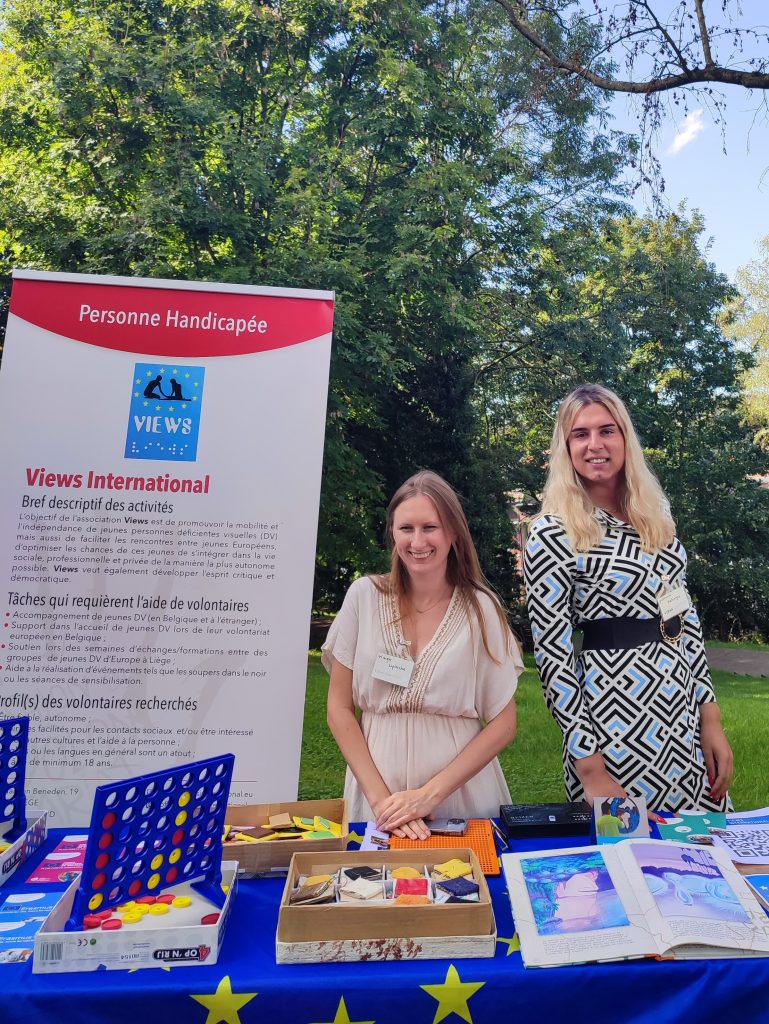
x: 730, y: 188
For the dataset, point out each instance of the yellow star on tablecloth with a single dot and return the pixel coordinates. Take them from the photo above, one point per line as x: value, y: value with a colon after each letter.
x: 223, y: 1005
x: 453, y: 995
x: 343, y: 1017
x: 512, y: 944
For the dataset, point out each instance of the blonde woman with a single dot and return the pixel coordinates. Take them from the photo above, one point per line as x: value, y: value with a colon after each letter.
x: 636, y: 708
x: 426, y: 655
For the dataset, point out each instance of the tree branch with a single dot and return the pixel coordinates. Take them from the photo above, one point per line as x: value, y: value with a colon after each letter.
x: 703, y: 34
x: 710, y: 72
x: 668, y: 38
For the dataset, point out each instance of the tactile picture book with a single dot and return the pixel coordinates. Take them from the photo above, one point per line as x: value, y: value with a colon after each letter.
x: 638, y: 898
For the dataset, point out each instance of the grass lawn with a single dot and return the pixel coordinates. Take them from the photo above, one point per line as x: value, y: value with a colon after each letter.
x: 532, y: 765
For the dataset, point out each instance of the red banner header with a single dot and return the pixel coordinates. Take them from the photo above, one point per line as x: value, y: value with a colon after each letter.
x: 168, y: 321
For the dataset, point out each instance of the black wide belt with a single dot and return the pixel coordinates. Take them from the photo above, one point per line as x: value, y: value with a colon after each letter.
x: 623, y: 633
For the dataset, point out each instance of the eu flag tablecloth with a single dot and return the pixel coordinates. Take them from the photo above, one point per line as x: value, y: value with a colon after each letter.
x: 246, y: 986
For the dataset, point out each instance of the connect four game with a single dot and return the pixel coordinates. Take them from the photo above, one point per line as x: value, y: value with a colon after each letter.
x: 152, y: 832
x: 14, y: 735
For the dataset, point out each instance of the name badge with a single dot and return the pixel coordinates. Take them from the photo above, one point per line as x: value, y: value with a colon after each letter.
x: 675, y: 601
x: 393, y: 670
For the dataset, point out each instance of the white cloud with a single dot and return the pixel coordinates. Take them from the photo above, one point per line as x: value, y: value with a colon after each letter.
x: 688, y: 132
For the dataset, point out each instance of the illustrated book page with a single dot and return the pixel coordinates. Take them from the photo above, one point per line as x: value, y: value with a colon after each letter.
x: 637, y: 898
x: 575, y: 906
x: 699, y: 900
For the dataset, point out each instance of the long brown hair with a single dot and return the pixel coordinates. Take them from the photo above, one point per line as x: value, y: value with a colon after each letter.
x: 463, y: 570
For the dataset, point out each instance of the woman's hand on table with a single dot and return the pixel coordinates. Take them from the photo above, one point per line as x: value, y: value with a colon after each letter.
x: 404, y: 812
x: 417, y: 829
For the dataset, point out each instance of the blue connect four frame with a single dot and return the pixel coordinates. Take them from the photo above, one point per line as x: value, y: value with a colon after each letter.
x: 14, y: 737
x: 152, y: 832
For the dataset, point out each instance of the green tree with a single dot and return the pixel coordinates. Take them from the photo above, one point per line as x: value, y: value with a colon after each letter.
x: 635, y: 304
x: 683, y: 378
x: 399, y: 153
x: 748, y: 321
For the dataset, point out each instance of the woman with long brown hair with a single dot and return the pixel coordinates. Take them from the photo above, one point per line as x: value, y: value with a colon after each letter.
x: 636, y: 707
x: 425, y: 653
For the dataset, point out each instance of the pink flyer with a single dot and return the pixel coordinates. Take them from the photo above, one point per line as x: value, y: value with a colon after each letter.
x: 63, y: 863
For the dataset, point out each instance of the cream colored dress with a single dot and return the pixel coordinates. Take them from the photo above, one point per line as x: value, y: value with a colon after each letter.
x: 414, y: 732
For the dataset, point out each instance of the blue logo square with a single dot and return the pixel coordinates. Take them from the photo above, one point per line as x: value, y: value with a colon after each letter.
x: 164, y: 417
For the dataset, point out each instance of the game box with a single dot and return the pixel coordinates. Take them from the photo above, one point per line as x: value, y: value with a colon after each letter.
x: 33, y: 837
x: 265, y: 857
x: 344, y: 931
x: 178, y: 938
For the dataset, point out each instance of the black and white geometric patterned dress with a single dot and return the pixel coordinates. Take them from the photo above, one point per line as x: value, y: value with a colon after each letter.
x: 639, y: 707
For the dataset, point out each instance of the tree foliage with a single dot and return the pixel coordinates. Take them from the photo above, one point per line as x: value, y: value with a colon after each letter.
x: 636, y: 306
x: 462, y: 205
x: 747, y: 319
x: 399, y: 153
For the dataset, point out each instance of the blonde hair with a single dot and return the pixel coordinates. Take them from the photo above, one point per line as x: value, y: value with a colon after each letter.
x: 463, y: 569
x: 642, y: 500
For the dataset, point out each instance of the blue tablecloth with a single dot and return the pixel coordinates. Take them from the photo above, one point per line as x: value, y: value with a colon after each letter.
x: 246, y: 986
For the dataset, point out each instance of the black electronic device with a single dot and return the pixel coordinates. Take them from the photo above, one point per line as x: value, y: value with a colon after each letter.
x: 537, y: 821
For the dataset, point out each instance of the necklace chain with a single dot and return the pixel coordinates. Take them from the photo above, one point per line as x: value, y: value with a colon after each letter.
x: 421, y: 611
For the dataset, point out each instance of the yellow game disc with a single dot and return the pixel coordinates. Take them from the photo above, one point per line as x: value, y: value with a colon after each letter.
x: 158, y: 908
x: 184, y: 799
x: 153, y: 881
x: 182, y: 901
x: 157, y: 860
x: 132, y: 917
x: 174, y: 855
x: 95, y: 901
x: 181, y: 817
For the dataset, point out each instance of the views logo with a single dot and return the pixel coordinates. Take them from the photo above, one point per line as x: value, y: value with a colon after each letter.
x: 164, y: 418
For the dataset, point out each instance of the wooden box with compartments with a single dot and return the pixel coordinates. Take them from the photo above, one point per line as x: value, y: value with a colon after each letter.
x: 382, y: 928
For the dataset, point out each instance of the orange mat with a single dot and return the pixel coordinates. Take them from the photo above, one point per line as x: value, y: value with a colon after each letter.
x: 478, y: 837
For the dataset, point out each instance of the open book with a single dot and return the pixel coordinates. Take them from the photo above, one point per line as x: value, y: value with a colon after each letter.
x: 641, y: 897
